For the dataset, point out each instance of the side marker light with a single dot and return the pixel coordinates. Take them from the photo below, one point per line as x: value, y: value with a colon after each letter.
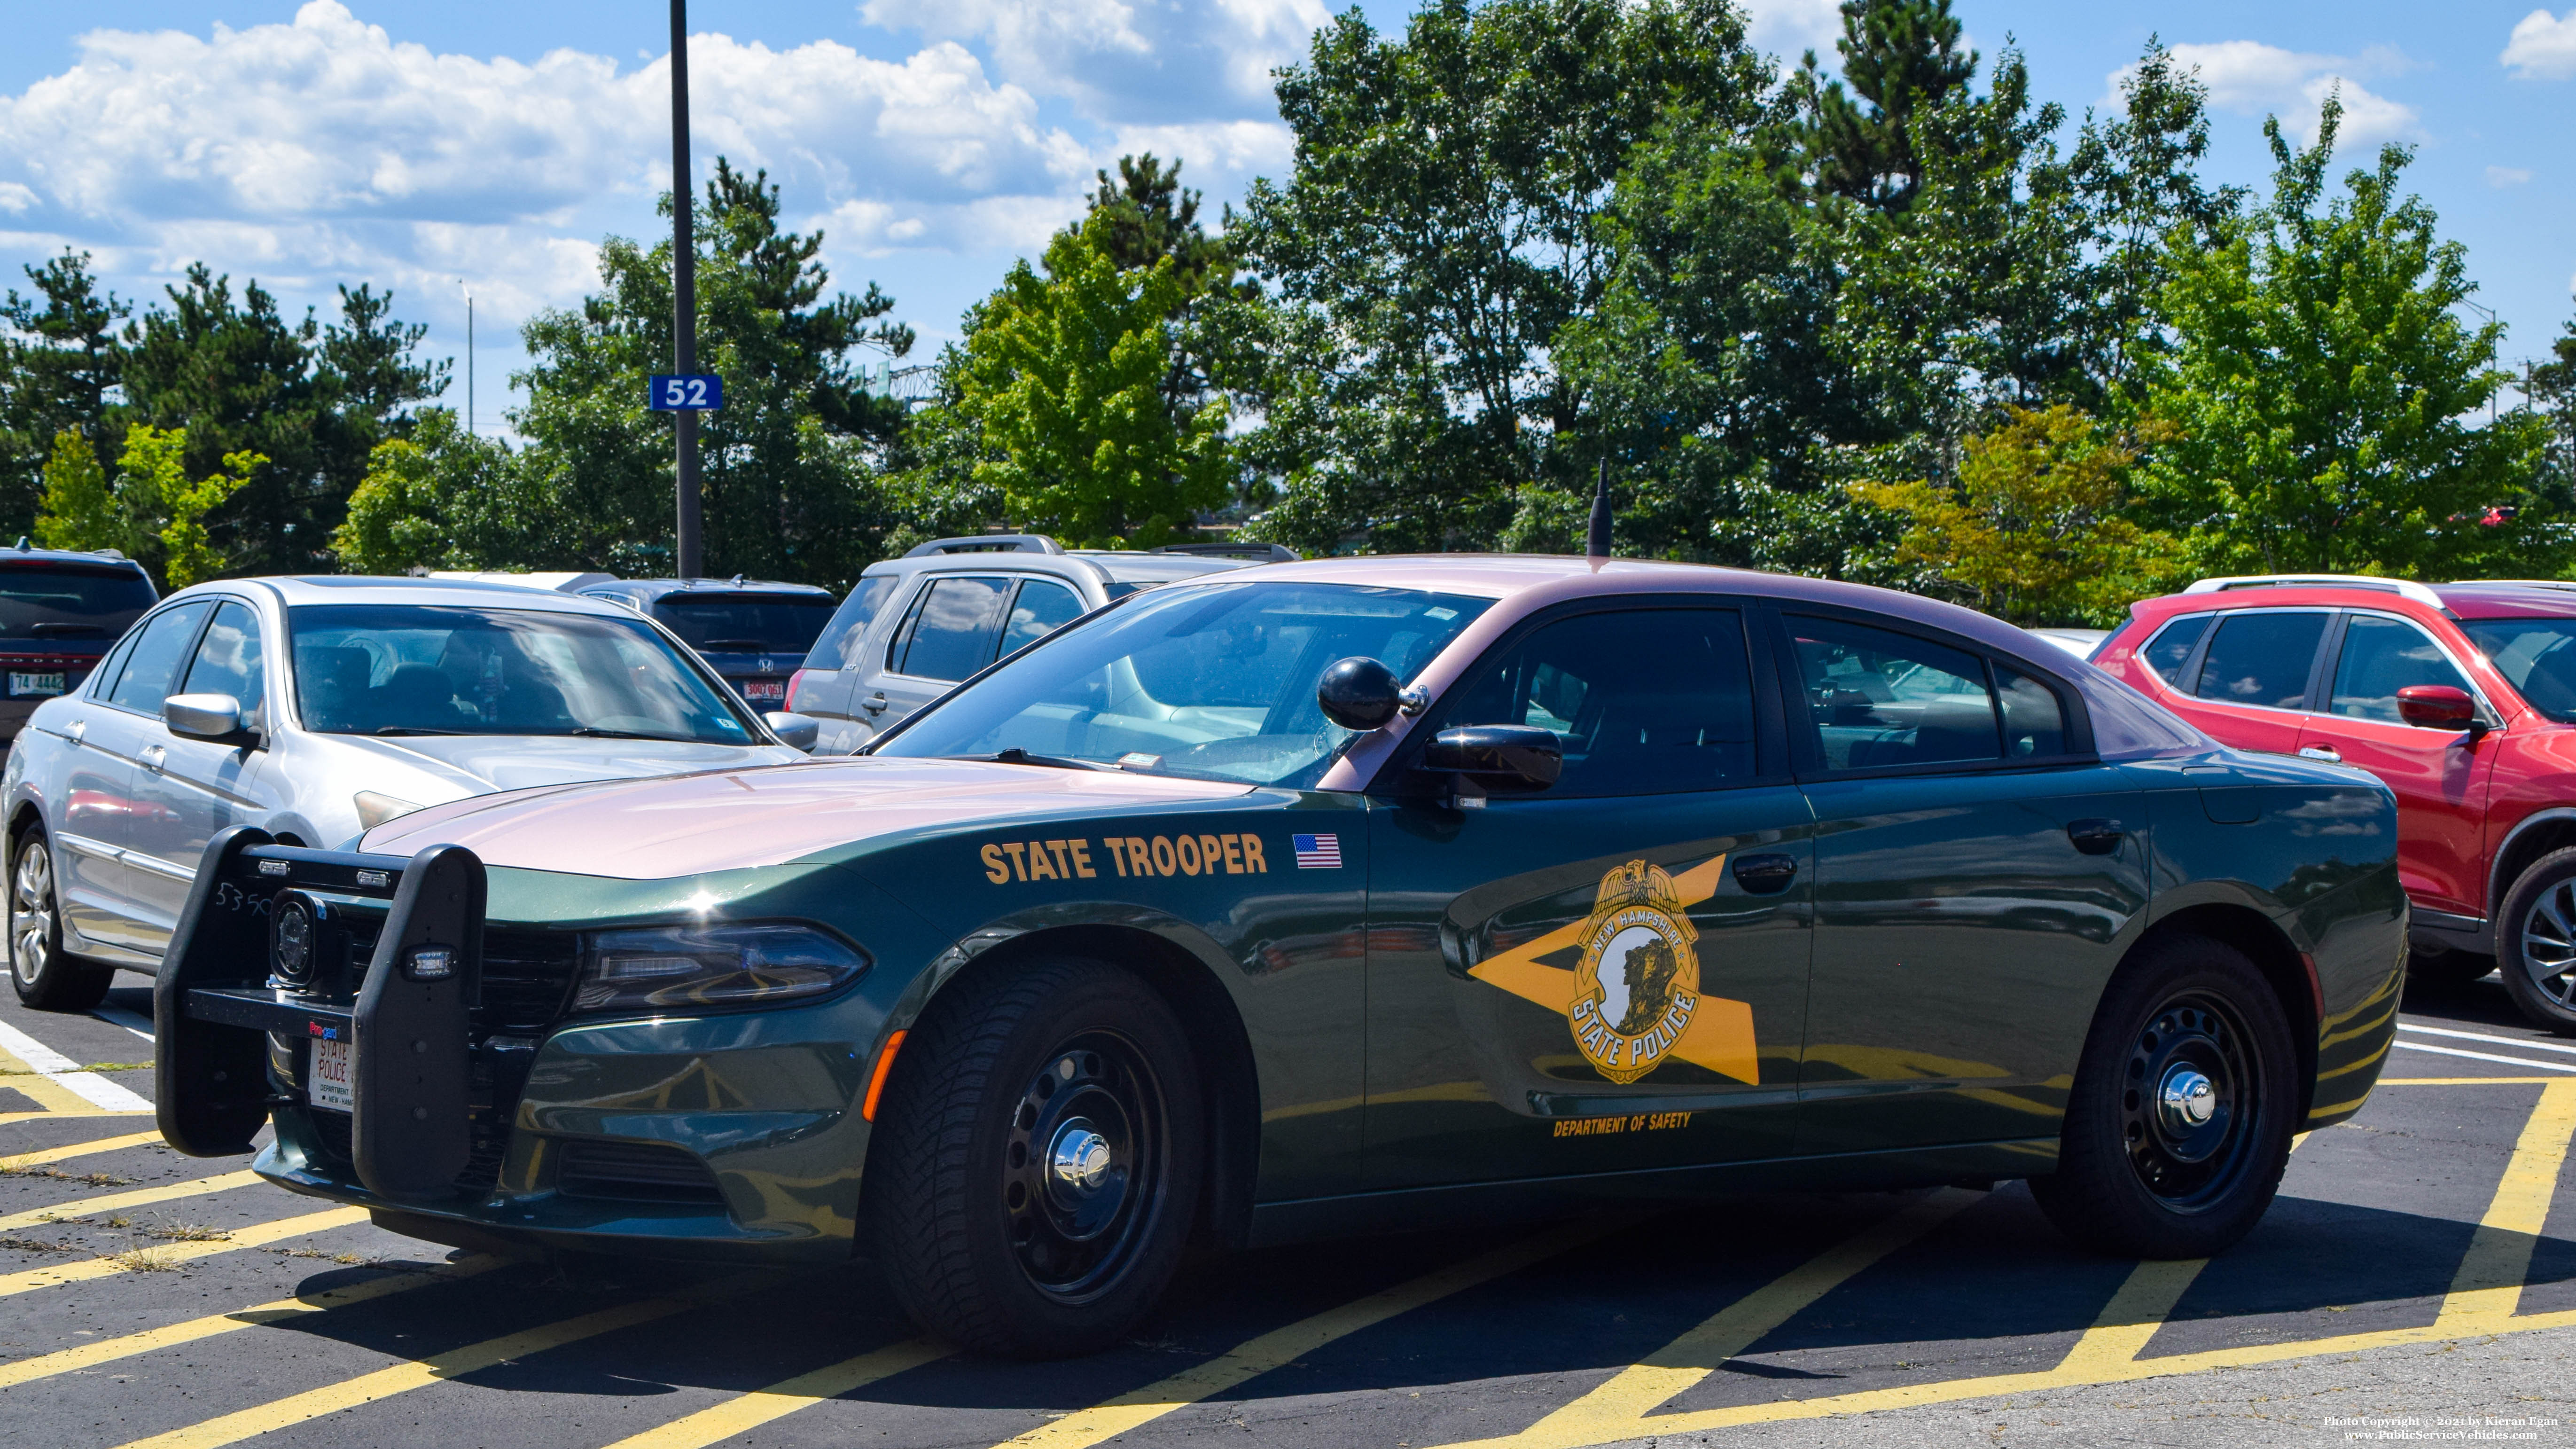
x: 877, y: 1081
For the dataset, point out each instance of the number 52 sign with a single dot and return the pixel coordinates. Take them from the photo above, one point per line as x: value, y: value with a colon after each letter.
x: 686, y: 392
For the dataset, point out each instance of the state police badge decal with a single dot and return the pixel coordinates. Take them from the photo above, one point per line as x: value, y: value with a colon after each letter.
x: 1638, y: 984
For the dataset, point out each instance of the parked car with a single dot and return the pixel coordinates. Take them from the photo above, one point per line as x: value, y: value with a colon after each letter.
x: 2079, y: 642
x: 754, y: 632
x: 916, y: 625
x: 1328, y: 897
x: 2460, y: 697
x: 315, y: 708
x: 60, y: 611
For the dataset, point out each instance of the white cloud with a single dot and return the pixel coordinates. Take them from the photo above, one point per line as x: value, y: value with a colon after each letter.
x: 1788, y: 28
x: 2250, y: 78
x: 2501, y: 176
x: 2542, y: 47
x: 1126, y: 61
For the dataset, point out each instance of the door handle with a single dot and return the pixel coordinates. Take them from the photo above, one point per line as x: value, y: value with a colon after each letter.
x: 1765, y: 875
x: 2327, y: 753
x: 2095, y: 837
x: 153, y: 756
x: 875, y: 703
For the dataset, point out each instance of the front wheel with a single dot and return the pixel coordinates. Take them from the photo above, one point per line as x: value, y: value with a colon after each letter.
x: 2536, y: 942
x: 1038, y: 1159
x: 2179, y: 1125
x: 45, y: 977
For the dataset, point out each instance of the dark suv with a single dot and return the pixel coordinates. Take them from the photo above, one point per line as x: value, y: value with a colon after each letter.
x: 752, y: 631
x: 2460, y: 697
x: 59, y: 613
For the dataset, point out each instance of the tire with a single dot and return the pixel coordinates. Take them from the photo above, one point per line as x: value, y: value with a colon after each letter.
x: 2536, y: 942
x: 45, y: 976
x: 1038, y: 1159
x: 2138, y: 1178
x: 2448, y: 970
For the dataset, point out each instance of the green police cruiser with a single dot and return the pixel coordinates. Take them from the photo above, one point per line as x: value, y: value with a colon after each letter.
x: 1321, y: 898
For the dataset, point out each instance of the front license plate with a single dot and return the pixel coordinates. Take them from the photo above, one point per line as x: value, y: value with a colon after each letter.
x: 335, y: 1068
x: 764, y: 689
x: 27, y: 684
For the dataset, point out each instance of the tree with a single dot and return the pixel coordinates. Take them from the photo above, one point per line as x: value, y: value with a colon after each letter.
x: 2325, y: 389
x: 2551, y: 388
x: 1900, y: 57
x: 58, y: 371
x: 153, y: 512
x: 442, y: 498
x: 2035, y: 531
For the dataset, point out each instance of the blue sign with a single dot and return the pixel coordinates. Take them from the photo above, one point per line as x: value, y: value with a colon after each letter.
x: 686, y: 392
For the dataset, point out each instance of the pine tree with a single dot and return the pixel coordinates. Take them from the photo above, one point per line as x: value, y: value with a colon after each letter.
x: 1902, y: 58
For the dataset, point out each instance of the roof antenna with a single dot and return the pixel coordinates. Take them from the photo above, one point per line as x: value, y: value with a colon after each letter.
x: 1596, y: 541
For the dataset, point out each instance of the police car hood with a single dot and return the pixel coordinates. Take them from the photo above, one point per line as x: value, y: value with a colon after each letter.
x: 737, y: 819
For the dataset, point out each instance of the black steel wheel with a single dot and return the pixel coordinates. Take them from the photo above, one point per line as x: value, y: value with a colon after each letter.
x: 2536, y: 942
x: 46, y: 977
x: 2179, y: 1123
x: 1038, y: 1159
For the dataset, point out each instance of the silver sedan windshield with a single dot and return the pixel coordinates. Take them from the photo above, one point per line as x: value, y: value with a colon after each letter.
x: 408, y: 669
x: 1214, y: 681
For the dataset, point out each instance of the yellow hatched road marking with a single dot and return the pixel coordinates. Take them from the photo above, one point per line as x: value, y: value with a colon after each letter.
x: 2466, y: 1081
x: 1615, y: 1409
x: 1283, y: 1346
x: 35, y: 1086
x: 170, y: 1253
x: 77, y: 1149
x: 86, y: 1111
x: 2488, y: 1286
x: 140, y: 1197
x: 150, y: 1340
x: 746, y: 1412
x: 402, y: 1378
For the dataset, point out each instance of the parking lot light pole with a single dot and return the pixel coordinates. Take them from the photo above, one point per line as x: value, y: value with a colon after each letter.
x: 684, y: 293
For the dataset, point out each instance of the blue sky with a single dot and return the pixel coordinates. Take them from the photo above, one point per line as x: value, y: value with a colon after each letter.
x: 476, y: 143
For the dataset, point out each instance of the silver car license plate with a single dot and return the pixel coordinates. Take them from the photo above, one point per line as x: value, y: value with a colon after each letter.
x: 335, y: 1071
x: 37, y: 684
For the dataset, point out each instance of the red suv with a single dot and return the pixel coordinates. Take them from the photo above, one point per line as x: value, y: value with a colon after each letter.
x: 2461, y: 697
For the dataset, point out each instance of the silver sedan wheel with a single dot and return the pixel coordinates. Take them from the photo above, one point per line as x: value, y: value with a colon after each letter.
x: 2549, y: 943
x: 31, y: 913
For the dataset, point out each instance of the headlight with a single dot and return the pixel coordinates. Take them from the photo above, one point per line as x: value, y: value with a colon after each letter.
x: 714, y: 965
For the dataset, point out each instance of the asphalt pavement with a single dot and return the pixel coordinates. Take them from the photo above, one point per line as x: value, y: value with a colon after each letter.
x: 2415, y: 1282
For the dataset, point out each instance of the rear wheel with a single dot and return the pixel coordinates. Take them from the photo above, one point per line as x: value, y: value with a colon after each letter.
x: 2536, y: 942
x: 2179, y: 1125
x: 45, y: 977
x: 1038, y: 1159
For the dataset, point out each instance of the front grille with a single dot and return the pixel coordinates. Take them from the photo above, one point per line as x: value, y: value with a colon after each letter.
x: 635, y: 1172
x: 527, y: 977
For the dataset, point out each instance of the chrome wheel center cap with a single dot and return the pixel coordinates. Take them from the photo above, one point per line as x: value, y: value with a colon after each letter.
x: 1080, y: 1157
x: 2187, y: 1099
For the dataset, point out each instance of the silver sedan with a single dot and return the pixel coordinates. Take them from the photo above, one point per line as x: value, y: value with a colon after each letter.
x: 316, y: 709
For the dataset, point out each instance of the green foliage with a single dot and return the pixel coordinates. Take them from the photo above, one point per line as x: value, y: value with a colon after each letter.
x: 2034, y: 532
x: 2325, y: 389
x: 2551, y: 388
x: 1900, y: 57
x: 444, y: 499
x: 59, y: 366
x: 153, y: 512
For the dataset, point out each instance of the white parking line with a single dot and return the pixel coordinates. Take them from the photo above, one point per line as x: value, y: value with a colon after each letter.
x: 2417, y: 1046
x: 134, y: 1022
x: 2512, y: 1041
x: 61, y: 1070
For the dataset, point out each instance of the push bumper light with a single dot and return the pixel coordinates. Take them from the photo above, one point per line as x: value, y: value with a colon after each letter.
x: 732, y: 964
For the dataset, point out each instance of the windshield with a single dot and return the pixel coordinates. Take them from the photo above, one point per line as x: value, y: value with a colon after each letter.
x: 745, y: 623
x: 395, y: 669
x: 2535, y: 656
x: 56, y: 601
x: 1213, y: 682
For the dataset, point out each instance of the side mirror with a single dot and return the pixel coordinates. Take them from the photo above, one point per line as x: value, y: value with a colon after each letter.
x: 216, y: 717
x: 2437, y: 707
x: 799, y: 730
x: 1359, y: 693
x: 1522, y: 755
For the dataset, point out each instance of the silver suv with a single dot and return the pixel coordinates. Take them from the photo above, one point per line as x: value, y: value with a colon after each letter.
x: 916, y: 625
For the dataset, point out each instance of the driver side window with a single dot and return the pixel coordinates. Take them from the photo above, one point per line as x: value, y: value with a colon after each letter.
x: 1644, y: 701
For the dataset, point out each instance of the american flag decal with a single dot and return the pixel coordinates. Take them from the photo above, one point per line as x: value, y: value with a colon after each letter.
x: 1317, y: 852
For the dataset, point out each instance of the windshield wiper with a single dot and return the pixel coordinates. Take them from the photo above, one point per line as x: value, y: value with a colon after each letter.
x: 738, y: 646
x: 1018, y: 756
x: 417, y: 730
x: 594, y: 732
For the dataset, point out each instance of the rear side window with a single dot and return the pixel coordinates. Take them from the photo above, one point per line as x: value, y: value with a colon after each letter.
x: 67, y: 601
x: 2262, y: 659
x: 953, y: 629
x: 1644, y: 701
x: 2034, y: 722
x: 2170, y: 650
x: 839, y: 646
x: 1880, y: 698
x: 154, y: 665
